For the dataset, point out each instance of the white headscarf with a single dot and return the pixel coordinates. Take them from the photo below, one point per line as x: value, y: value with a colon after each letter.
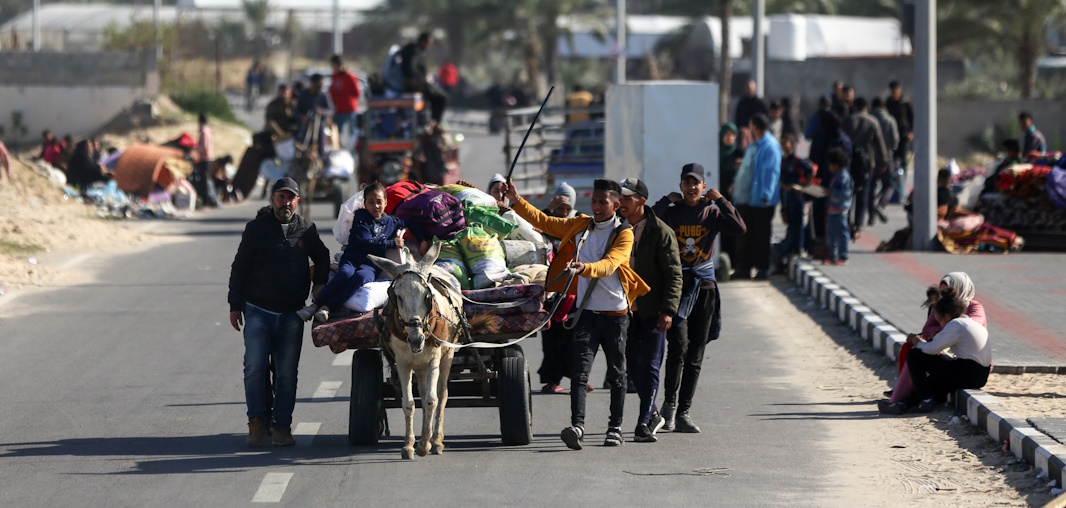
x: 962, y: 285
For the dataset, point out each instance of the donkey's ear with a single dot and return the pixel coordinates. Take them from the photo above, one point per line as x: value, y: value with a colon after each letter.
x: 390, y: 267
x: 430, y: 257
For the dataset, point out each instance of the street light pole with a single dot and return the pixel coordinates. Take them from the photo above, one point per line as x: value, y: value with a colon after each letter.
x: 36, y: 25
x: 338, y: 41
x: 758, y: 47
x: 156, y: 7
x: 925, y: 167
x: 620, y: 42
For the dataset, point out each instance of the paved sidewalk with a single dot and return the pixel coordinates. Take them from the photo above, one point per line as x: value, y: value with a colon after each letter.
x: 1024, y: 294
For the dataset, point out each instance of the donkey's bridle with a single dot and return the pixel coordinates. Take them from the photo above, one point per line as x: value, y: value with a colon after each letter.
x: 422, y: 324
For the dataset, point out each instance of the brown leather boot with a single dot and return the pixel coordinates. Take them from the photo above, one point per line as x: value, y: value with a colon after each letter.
x: 257, y: 431
x: 283, y: 437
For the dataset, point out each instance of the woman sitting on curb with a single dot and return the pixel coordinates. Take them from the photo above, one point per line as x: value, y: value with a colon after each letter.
x: 935, y: 375
x: 965, y: 292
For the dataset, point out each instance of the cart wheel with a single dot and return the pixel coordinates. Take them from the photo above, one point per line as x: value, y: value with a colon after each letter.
x: 516, y: 403
x: 364, y: 416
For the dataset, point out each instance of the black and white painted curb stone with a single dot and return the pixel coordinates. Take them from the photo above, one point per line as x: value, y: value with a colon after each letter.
x: 983, y: 410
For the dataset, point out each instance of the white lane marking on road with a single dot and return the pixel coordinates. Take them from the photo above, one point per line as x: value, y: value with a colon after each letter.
x: 344, y: 359
x: 327, y: 390
x: 74, y: 261
x: 272, y: 488
x: 304, y: 433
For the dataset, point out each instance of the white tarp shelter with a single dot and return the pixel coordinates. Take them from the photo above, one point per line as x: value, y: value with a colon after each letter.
x: 795, y: 37
x: 656, y: 127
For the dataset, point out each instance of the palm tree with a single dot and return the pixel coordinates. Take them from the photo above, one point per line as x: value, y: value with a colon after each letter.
x: 257, y: 12
x: 1015, y: 25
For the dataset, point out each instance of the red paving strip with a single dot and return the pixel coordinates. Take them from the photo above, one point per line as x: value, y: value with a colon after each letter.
x: 1004, y: 316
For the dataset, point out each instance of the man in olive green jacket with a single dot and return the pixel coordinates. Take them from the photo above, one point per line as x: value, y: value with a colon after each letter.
x: 656, y: 260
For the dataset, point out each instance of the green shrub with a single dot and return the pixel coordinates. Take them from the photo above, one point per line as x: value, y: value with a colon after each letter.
x: 199, y: 100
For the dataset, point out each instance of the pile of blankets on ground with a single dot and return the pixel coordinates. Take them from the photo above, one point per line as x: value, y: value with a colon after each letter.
x: 1031, y: 200
x: 495, y: 257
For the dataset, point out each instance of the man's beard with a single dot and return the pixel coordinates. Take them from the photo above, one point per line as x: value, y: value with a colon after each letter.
x: 284, y: 215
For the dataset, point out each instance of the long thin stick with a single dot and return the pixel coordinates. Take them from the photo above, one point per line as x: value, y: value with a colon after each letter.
x: 520, y: 147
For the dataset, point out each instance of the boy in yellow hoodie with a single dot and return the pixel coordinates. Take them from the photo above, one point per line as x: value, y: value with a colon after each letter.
x: 605, y: 290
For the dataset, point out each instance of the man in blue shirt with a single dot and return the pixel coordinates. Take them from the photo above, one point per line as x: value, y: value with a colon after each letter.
x: 756, y: 195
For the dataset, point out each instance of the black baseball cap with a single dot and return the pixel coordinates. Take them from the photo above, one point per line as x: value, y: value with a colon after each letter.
x: 632, y: 186
x: 693, y: 169
x: 286, y: 184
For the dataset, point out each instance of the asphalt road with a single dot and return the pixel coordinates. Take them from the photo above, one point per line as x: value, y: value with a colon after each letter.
x: 128, y: 392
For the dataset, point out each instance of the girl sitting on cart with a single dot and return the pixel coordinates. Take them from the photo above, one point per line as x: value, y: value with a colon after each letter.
x: 373, y: 232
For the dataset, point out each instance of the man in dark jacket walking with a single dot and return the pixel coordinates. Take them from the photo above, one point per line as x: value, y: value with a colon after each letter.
x: 868, y: 155
x: 696, y: 219
x: 655, y: 259
x: 268, y: 284
x: 414, y: 75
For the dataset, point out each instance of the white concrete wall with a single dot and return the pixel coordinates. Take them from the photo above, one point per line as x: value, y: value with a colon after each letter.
x: 65, y: 110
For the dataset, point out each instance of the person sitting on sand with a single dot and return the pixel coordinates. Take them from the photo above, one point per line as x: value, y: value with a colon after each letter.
x: 965, y: 291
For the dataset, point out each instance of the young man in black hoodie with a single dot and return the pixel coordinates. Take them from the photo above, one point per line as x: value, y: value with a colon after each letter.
x: 696, y: 219
x: 268, y: 284
x: 655, y: 259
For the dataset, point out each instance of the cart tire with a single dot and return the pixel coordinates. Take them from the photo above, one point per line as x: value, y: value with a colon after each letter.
x: 365, y: 409
x: 516, y: 403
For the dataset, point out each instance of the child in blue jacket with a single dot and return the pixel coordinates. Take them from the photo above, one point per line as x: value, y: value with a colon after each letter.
x: 373, y: 232
x: 841, y: 188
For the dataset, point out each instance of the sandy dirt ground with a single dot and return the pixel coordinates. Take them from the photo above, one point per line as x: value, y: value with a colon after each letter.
x: 41, y: 229
x: 1030, y: 394
x: 38, y: 224
x: 914, y: 460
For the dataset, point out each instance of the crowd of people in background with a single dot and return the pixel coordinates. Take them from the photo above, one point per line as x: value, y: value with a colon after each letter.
x: 867, y: 139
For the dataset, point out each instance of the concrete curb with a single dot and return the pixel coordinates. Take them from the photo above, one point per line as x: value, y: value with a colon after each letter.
x: 983, y: 410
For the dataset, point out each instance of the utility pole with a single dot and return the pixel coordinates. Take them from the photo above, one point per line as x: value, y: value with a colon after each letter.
x: 36, y: 25
x: 925, y: 168
x: 338, y: 37
x: 156, y: 7
x: 620, y: 42
x: 758, y: 47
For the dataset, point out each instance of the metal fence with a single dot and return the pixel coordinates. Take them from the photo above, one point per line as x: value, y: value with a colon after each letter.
x: 558, y: 137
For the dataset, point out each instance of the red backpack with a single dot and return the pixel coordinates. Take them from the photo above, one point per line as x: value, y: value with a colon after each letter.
x: 399, y: 192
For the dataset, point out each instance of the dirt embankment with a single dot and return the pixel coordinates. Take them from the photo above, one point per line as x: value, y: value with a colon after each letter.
x: 39, y: 224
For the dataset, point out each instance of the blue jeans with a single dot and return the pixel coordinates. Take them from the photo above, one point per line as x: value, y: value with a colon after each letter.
x: 343, y: 285
x: 645, y: 347
x: 345, y: 121
x: 269, y: 334
x: 838, y: 234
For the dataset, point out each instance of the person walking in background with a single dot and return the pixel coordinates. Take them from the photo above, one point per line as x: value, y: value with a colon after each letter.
x: 789, y: 119
x: 813, y: 125
x: 902, y: 112
x: 886, y: 176
x: 696, y: 215
x: 448, y: 77
x: 796, y: 174
x: 756, y: 194
x: 656, y: 260
x: 840, y: 196
x: 204, y: 156
x: 868, y: 157
x: 344, y: 91
x: 253, y: 85
x: 268, y: 283
x: 1032, y: 139
x: 730, y: 156
x: 776, y: 123
x: 749, y: 106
